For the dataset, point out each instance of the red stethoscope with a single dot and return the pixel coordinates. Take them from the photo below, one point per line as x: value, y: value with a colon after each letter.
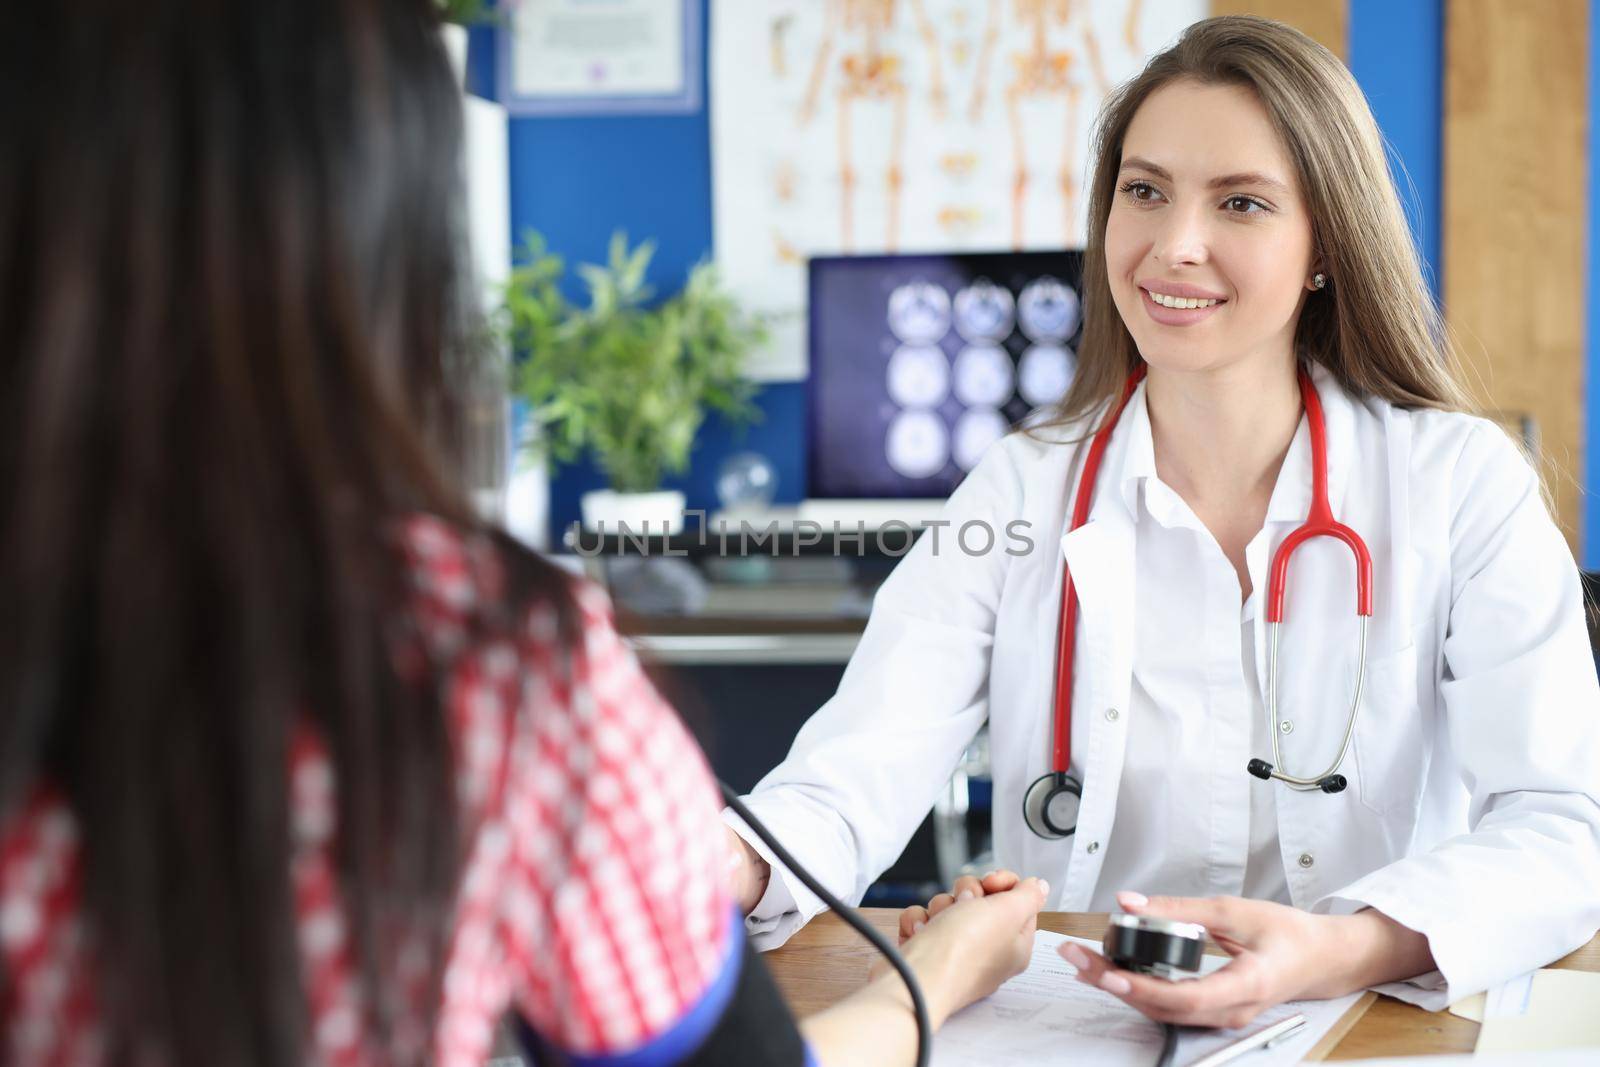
x: 1050, y: 806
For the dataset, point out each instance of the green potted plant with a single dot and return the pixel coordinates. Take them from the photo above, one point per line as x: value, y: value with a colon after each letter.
x: 624, y: 381
x: 465, y: 12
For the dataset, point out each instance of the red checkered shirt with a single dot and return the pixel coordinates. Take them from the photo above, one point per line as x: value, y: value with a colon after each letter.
x: 592, y: 901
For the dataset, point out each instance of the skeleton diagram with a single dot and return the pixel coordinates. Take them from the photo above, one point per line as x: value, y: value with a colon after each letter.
x: 870, y: 72
x: 1050, y: 69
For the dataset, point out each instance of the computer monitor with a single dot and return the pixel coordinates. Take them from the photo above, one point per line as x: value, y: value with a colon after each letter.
x: 918, y: 363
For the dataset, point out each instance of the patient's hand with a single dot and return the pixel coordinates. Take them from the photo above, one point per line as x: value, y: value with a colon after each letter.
x: 914, y: 918
x: 748, y: 873
x: 959, y: 955
x: 965, y: 943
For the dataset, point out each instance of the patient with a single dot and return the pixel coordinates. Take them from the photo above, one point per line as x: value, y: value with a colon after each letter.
x: 300, y: 761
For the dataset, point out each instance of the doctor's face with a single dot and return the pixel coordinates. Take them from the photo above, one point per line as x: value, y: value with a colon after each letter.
x: 1207, y: 206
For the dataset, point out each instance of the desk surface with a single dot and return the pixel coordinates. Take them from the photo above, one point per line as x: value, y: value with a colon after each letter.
x: 827, y: 960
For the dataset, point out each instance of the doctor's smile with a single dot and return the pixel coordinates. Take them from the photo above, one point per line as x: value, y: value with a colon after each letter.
x: 1169, y: 309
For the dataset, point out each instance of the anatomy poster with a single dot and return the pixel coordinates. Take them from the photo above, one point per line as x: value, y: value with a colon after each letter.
x: 843, y: 127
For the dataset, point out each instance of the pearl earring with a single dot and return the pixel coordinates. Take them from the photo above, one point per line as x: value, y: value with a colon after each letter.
x: 1319, y: 280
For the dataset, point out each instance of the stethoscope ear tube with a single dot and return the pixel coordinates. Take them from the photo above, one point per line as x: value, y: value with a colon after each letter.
x: 1330, y: 783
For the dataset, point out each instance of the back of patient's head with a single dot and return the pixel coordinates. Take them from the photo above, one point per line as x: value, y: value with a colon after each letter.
x: 228, y: 304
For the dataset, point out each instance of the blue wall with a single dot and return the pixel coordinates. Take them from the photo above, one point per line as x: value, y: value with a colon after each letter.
x: 1397, y: 56
x: 578, y: 179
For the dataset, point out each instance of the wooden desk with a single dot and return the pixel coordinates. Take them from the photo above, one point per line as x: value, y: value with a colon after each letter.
x: 827, y: 960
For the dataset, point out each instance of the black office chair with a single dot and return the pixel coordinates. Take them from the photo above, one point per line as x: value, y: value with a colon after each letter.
x: 1591, y: 605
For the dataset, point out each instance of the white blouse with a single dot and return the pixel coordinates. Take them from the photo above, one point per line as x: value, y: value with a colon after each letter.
x: 1184, y: 781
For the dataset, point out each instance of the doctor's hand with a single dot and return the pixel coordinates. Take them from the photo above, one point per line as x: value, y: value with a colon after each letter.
x: 965, y: 945
x: 1279, y: 953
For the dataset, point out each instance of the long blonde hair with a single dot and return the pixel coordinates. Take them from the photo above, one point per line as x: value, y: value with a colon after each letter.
x: 1375, y: 326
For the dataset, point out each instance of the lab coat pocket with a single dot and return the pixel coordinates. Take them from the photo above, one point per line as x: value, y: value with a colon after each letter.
x: 1389, y: 761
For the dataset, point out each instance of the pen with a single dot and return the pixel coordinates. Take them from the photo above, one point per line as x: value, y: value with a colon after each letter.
x: 1262, y: 1038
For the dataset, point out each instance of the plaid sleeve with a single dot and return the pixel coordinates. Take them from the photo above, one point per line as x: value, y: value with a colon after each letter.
x: 620, y: 927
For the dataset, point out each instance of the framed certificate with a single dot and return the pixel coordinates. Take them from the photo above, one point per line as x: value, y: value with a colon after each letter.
x: 600, y: 57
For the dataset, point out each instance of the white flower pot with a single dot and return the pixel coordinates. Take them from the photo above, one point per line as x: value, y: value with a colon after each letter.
x: 606, y: 510
x: 455, y: 45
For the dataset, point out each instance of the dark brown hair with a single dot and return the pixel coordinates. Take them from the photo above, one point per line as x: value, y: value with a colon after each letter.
x: 229, y: 311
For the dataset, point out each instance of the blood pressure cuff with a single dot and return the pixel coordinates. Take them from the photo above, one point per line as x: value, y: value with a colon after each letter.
x: 742, y: 1020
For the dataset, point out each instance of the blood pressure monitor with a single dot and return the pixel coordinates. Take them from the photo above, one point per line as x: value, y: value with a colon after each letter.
x: 1161, y: 947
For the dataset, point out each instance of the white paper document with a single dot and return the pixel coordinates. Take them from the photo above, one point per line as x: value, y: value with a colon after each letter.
x: 1546, y: 1010
x: 1509, y: 998
x: 1046, y: 1016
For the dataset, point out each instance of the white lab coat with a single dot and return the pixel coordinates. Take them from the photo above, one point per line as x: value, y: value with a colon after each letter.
x: 1473, y: 812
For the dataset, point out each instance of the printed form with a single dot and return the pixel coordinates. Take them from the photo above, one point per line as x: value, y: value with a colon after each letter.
x: 1046, y: 1015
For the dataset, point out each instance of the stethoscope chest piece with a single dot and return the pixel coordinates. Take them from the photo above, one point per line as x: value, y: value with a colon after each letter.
x: 1050, y: 806
x: 1160, y: 947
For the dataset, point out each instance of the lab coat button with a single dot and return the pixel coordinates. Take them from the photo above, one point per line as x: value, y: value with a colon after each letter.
x: 1094, y: 846
x: 1112, y: 714
x: 1307, y: 859
x: 1287, y: 727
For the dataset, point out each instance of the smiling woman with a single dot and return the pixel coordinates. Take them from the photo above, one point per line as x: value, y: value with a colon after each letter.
x: 1180, y: 240
x: 1262, y: 368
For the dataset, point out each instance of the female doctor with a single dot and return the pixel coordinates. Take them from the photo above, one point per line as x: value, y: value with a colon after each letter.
x: 1260, y: 354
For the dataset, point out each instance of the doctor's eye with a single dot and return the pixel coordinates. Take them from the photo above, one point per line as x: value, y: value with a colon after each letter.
x: 1248, y: 202
x: 1135, y: 188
